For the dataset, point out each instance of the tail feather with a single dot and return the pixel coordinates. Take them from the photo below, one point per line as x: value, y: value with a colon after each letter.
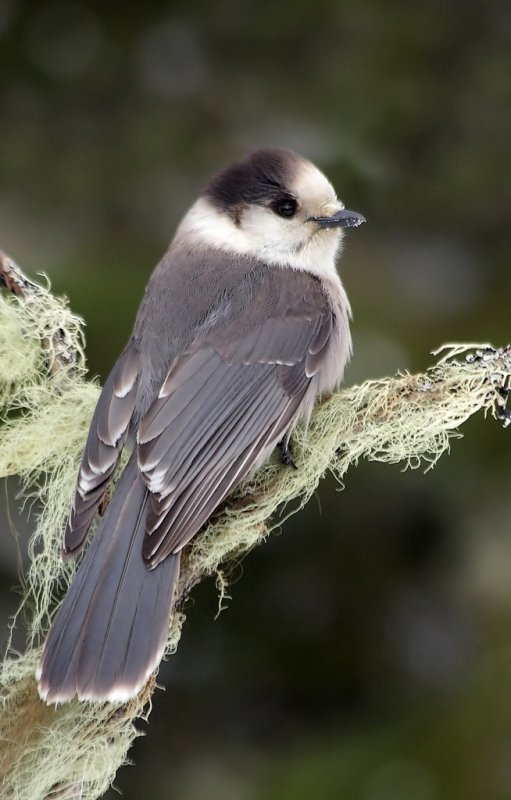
x: 110, y: 632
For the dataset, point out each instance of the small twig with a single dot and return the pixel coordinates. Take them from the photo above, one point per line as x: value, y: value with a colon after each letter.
x: 63, y: 343
x: 12, y: 277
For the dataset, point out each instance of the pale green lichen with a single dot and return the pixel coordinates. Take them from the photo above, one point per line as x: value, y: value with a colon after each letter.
x: 45, y: 407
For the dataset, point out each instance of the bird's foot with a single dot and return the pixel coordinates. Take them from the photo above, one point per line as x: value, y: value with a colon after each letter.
x: 286, y: 456
x: 502, y: 412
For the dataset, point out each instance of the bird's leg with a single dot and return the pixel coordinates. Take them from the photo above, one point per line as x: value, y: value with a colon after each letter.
x: 285, y: 453
x: 501, y: 411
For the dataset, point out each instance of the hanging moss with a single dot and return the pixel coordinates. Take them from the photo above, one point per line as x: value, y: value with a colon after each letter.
x: 46, y: 403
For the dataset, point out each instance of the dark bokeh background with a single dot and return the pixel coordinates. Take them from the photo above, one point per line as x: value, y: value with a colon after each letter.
x: 366, y: 652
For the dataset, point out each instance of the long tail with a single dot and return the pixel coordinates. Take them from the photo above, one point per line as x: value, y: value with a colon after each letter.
x: 110, y: 632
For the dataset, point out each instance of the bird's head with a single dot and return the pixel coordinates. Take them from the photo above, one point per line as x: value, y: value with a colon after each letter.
x: 273, y: 205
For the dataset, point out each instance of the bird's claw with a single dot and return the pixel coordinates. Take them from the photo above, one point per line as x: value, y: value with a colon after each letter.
x: 285, y: 454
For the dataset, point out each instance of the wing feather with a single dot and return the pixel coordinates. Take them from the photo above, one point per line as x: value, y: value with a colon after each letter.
x: 230, y: 436
x: 194, y: 380
x: 165, y: 458
x: 107, y: 435
x: 201, y: 497
x: 222, y: 408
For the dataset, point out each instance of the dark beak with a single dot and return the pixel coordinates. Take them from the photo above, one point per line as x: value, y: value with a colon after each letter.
x: 341, y: 219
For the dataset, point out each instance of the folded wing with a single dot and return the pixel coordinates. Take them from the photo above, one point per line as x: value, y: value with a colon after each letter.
x: 221, y: 410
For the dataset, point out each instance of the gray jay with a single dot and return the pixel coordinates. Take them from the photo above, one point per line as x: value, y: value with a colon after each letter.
x: 243, y: 324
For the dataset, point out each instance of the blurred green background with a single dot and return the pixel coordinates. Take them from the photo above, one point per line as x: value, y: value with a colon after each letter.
x: 366, y: 652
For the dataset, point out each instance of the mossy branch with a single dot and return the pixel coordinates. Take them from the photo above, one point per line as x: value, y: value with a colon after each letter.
x: 46, y: 401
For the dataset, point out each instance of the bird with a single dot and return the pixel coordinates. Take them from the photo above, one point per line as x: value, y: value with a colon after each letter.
x: 243, y: 325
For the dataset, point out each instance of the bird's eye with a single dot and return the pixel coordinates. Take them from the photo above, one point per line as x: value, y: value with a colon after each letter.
x: 285, y: 208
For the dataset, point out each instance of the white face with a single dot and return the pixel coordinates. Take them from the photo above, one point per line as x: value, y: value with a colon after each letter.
x: 260, y: 231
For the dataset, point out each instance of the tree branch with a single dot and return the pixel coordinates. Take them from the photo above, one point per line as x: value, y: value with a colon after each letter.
x: 74, y: 750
